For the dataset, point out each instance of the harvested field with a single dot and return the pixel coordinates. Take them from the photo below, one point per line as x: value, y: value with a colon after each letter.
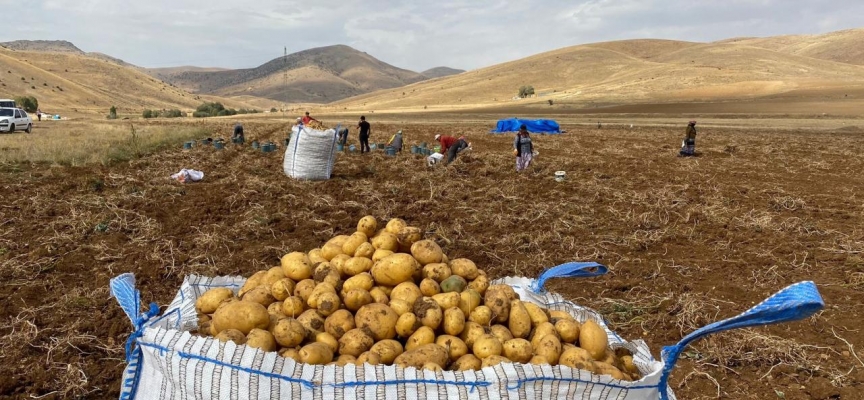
x: 688, y: 241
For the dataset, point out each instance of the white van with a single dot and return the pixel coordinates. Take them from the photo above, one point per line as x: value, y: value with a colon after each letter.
x: 7, y: 103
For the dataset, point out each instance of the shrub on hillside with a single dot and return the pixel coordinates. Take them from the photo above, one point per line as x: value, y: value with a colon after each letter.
x: 28, y: 103
x: 213, y: 110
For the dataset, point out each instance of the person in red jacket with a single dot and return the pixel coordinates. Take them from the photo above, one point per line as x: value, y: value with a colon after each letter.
x: 451, y: 146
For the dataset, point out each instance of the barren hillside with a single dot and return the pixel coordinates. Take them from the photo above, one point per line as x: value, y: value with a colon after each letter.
x: 440, y: 72
x: 842, y: 46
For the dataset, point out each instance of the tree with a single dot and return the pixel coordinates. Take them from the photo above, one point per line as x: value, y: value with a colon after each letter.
x: 526, y: 91
x: 273, y: 110
x: 147, y: 114
x: 28, y: 103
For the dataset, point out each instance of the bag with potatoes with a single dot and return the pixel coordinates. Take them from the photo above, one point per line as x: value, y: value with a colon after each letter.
x: 385, y: 314
x: 310, y: 153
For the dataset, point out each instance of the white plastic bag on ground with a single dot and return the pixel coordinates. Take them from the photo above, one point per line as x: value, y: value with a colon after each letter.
x: 165, y: 361
x: 188, y: 175
x: 310, y: 153
x: 433, y: 159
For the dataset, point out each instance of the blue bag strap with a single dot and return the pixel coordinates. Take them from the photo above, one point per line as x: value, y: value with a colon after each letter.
x: 123, y: 289
x: 795, y: 302
x: 568, y: 270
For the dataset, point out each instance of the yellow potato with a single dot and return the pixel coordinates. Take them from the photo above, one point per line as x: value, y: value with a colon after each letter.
x: 568, y: 330
x: 377, y: 319
x: 316, y: 257
x: 386, y: 241
x: 338, y: 323
x: 426, y: 252
x: 379, y: 254
x: 578, y: 358
x: 395, y: 269
x: 242, y: 316
x: 424, y: 335
x: 407, y: 291
x: 327, y: 272
x: 550, y: 347
x: 365, y: 250
x: 327, y: 339
x: 464, y: 268
x: 454, y: 321
x: 407, y: 324
x: 354, y: 241
x: 304, y: 288
x: 456, y: 348
x: 437, y: 271
x: 487, y: 345
x: 602, y: 368
x: 316, y: 354
x: 518, y: 350
x: 498, y: 300
x: 356, y: 265
x: 400, y: 306
x: 447, y: 300
x: 385, y: 289
x: 291, y: 353
x: 469, y: 300
x: 541, y: 330
x: 558, y: 314
x: 328, y: 303
x: 407, y: 236
x: 388, y: 350
x: 468, y: 362
x: 209, y: 301
x: 501, y: 332
x: 339, y: 262
x: 330, y: 251
x: 275, y: 309
x: 629, y: 366
x: 231, y: 335
x: 261, y: 339
x: 494, y: 360
x: 519, y: 321
x: 271, y: 276
x: 593, y: 338
x: 260, y: 295
x: 355, y: 342
x: 395, y: 225
x: 539, y: 360
x: 293, y: 306
x: 367, y: 225
x: 369, y: 358
x: 429, y: 287
x: 345, y: 359
x: 481, y: 315
x: 427, y: 353
x: 471, y: 332
x: 537, y: 314
x: 428, y: 312
x: 432, y: 367
x: 288, y: 332
x: 339, y: 240
x: 613, y: 360
x: 479, y: 284
x: 282, y: 289
x: 357, y: 298
x: 360, y: 281
x: 252, y: 282
x: 312, y: 320
x: 319, y: 290
x: 379, y: 295
x: 297, y: 266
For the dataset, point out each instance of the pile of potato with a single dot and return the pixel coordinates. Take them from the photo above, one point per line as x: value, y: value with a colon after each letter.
x: 386, y: 296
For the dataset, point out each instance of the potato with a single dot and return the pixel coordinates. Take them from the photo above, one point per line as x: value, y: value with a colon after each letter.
x: 400, y: 306
x: 481, y: 315
x: 539, y: 360
x: 613, y: 360
x: 316, y: 354
x: 407, y: 324
x: 330, y: 251
x: 432, y: 367
x: 338, y: 240
x: 429, y: 287
x: 464, y: 268
x: 377, y: 319
x: 537, y: 314
x: 447, y: 300
x: 369, y: 358
x: 501, y: 332
x: 338, y: 323
x: 550, y: 347
x: 365, y: 250
x: 297, y: 266
x: 519, y: 321
x: 454, y: 283
x: 424, y: 335
x: 379, y: 295
x: 454, y: 321
x: 576, y: 357
x: 354, y: 241
x: 541, y: 330
x: 252, y: 282
x: 480, y: 284
x: 386, y: 241
x: 469, y: 300
x: 468, y: 362
x: 379, y: 254
x: 291, y: 353
x: 395, y: 269
x: 328, y: 303
x: 568, y: 330
x: 487, y: 345
x: 260, y: 295
x: 202, y: 318
x: 345, y: 359
x: 242, y: 316
x: 558, y: 314
x: 304, y: 288
x: 225, y: 303
x: 385, y: 289
x: 629, y: 366
x: 356, y: 265
x: 456, y: 348
x: 407, y: 236
x: 271, y: 276
x: 498, y: 300
x: 327, y: 339
x: 602, y: 368
x: 395, y: 225
x: 293, y: 306
x: 593, y: 338
x: 437, y: 271
x: 319, y: 290
x: 233, y: 335
x: 428, y: 312
x: 367, y: 225
x: 426, y: 252
x: 388, y: 350
x: 282, y: 289
x: 209, y: 301
x: 518, y: 350
x: 339, y: 262
x: 355, y: 342
x: 407, y: 291
x: 312, y: 320
x: 261, y: 339
x: 471, y: 332
x: 357, y: 298
x: 493, y: 360
x: 360, y: 281
x: 204, y: 328
x: 276, y: 309
x: 427, y: 353
x: 289, y: 332
x: 327, y: 272
x: 316, y: 257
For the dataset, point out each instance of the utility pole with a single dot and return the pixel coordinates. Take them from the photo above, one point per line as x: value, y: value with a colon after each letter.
x: 285, y: 72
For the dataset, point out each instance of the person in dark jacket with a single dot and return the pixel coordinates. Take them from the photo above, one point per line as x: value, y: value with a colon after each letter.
x: 688, y: 148
x: 365, y: 131
x: 523, y: 148
x: 238, y: 132
x: 451, y: 146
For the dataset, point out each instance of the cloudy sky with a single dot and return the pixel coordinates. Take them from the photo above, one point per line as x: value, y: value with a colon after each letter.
x: 417, y: 35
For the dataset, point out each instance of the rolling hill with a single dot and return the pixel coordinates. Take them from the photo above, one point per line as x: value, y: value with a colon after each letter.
x: 440, y: 72
x: 640, y: 71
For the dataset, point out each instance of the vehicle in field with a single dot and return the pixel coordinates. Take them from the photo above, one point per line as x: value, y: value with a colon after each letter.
x: 7, y: 103
x: 15, y: 119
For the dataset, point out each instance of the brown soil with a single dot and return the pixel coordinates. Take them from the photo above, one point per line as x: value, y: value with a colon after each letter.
x: 688, y: 242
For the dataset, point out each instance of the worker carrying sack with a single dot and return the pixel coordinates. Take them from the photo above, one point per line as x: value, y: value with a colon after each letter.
x: 165, y: 361
x: 310, y: 153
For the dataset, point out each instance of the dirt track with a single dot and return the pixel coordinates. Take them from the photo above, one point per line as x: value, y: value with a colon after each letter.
x: 688, y: 242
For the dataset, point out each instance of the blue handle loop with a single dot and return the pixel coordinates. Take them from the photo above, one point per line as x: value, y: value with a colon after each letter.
x: 795, y: 302
x: 568, y: 270
x: 123, y: 289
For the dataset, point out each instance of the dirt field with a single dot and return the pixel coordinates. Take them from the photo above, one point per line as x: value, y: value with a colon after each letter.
x: 688, y: 242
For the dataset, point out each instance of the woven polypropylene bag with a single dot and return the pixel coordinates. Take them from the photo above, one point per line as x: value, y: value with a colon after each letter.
x: 310, y: 153
x: 166, y: 362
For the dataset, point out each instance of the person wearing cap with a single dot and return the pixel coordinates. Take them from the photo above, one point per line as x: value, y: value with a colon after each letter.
x: 365, y: 131
x: 396, y: 141
x: 688, y: 148
x: 523, y: 148
x: 451, y: 146
x: 343, y: 136
x: 307, y: 119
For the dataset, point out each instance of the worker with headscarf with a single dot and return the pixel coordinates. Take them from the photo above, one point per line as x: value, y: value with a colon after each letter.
x: 688, y: 147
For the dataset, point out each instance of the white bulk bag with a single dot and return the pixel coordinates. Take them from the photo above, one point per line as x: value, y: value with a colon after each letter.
x: 310, y: 153
x: 165, y: 361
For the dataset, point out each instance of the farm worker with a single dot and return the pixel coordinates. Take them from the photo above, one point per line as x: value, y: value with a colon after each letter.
x: 689, y: 146
x: 238, y: 132
x: 39, y: 113
x: 307, y: 119
x: 365, y: 131
x: 523, y: 148
x: 451, y: 146
x: 396, y: 141
x: 343, y: 136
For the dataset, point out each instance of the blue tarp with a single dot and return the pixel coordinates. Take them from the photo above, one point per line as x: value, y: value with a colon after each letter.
x: 533, y: 125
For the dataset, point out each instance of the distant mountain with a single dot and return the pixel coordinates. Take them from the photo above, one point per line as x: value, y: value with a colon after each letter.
x: 319, y: 75
x: 842, y: 46
x: 440, y: 72
x: 169, y: 74
x: 58, y: 46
